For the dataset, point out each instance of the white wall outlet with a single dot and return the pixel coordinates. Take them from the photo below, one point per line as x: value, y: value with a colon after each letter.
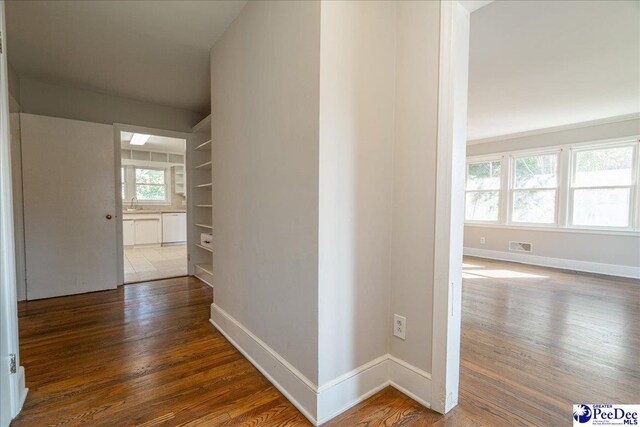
x: 399, y: 326
x: 482, y: 240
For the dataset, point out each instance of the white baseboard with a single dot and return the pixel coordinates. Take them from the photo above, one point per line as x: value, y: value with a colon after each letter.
x: 321, y: 404
x: 410, y: 380
x: 567, y: 264
x: 349, y: 389
x: 300, y: 391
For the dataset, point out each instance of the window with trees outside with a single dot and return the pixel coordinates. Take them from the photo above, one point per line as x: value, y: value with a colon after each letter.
x: 602, y: 187
x: 534, y: 190
x: 482, y: 198
x: 150, y: 184
x: 587, y: 186
x: 122, y: 183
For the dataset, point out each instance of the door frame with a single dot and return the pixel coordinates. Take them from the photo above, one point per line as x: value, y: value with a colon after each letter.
x: 455, y: 19
x: 117, y: 145
x: 8, y: 293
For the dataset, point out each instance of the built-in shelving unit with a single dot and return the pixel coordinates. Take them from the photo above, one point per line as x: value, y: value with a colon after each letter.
x: 205, y: 146
x: 205, y: 165
x: 204, y: 247
x: 179, y: 183
x: 208, y: 268
x: 200, y: 199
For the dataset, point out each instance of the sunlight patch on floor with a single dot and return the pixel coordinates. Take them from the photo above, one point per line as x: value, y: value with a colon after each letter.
x: 467, y: 265
x: 501, y: 274
x: 466, y: 275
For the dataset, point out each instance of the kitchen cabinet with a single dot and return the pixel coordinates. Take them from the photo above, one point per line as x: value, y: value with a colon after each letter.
x: 128, y: 232
x: 174, y: 227
x: 143, y: 229
x: 147, y: 229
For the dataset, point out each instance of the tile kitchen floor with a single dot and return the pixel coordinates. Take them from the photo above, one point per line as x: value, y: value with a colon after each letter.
x: 142, y: 264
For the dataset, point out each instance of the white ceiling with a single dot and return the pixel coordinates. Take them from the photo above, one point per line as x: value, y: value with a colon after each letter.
x: 161, y: 143
x: 155, y: 51
x: 541, y: 64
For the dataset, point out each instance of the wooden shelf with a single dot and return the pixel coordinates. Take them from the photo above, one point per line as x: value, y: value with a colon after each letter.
x: 202, y: 124
x: 204, y: 247
x: 205, y: 146
x: 205, y: 165
x: 208, y: 268
x: 200, y: 149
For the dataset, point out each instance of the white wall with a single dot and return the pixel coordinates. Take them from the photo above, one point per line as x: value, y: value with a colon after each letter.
x: 325, y: 120
x: 14, y: 87
x: 265, y: 109
x: 615, y: 251
x: 618, y: 128
x: 357, y: 81
x: 45, y: 99
x: 18, y: 217
x: 591, y: 247
x: 16, y: 178
x: 414, y: 184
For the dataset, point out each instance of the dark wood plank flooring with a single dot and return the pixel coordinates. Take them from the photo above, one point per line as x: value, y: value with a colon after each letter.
x: 534, y: 341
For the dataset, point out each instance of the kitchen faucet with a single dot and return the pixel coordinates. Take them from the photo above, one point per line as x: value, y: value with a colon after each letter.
x: 131, y: 205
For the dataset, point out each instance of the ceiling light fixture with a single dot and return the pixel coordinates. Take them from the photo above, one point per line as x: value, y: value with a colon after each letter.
x: 139, y: 139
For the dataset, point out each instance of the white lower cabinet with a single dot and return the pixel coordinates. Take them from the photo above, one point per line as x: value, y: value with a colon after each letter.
x: 141, y: 229
x: 128, y: 232
x: 147, y: 231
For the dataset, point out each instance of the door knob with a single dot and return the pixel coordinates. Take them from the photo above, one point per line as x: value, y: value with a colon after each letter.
x: 109, y: 216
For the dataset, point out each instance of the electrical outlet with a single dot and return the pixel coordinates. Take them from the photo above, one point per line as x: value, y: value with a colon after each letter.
x: 399, y: 326
x: 482, y: 240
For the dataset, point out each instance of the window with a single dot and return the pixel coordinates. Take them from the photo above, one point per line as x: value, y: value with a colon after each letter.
x: 482, y: 198
x: 150, y: 184
x: 534, y: 189
x: 602, y: 187
x: 122, y: 183
x: 584, y: 186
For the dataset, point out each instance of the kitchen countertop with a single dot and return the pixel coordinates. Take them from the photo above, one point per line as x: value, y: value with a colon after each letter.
x: 152, y: 211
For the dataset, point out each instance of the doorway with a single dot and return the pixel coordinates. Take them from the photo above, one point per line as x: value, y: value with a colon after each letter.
x: 152, y: 190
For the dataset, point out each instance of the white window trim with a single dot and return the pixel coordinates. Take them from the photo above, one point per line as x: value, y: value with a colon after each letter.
x: 485, y: 159
x: 564, y: 191
x: 633, y: 186
x: 512, y: 177
x: 130, y: 186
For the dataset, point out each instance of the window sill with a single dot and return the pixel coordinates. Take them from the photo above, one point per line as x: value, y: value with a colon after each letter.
x: 126, y: 203
x: 556, y: 229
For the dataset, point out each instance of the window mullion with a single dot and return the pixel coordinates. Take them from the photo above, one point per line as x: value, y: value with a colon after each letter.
x: 505, y: 197
x: 564, y: 182
x: 636, y: 188
x: 130, y: 185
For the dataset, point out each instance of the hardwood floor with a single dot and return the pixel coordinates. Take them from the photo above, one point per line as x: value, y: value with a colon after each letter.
x: 534, y: 341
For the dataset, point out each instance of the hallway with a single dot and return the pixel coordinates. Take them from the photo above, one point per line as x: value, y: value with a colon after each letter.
x: 534, y: 341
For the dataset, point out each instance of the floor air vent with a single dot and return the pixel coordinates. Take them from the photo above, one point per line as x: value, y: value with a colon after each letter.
x: 520, y: 246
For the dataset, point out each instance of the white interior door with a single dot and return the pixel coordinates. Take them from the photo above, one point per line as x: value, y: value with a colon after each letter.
x: 69, y: 194
x: 12, y: 390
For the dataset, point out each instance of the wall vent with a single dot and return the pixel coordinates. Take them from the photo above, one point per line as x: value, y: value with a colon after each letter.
x: 520, y: 246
